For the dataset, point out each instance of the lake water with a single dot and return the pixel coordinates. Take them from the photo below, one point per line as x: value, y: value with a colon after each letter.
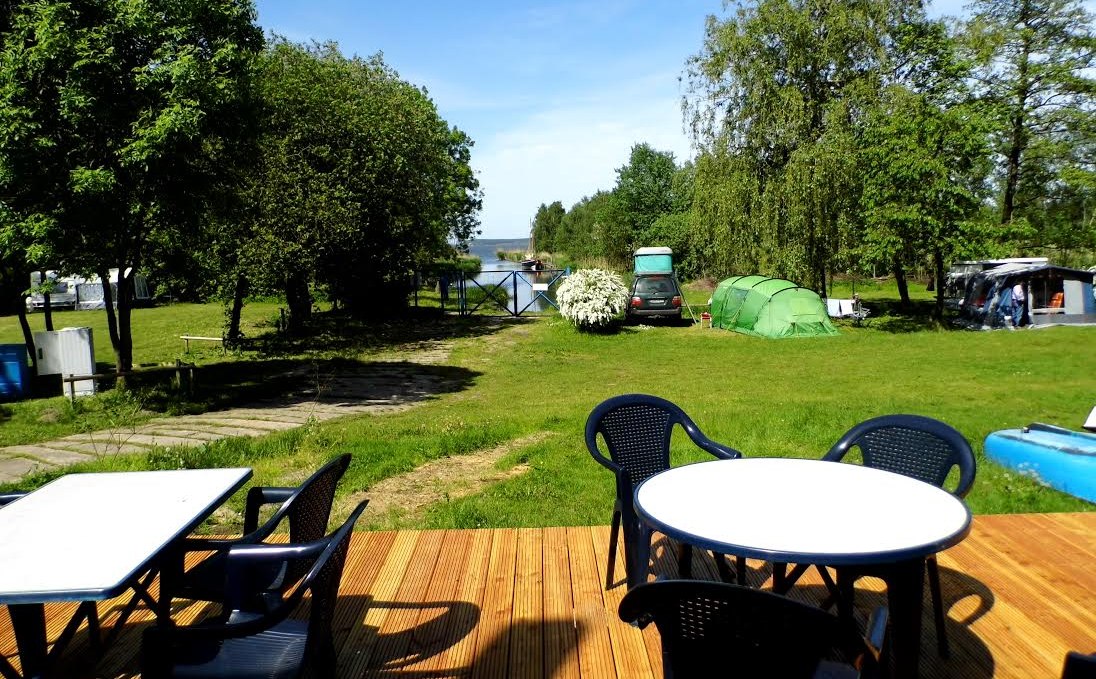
x: 496, y: 271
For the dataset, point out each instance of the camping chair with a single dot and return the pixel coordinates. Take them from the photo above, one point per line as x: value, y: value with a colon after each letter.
x: 636, y: 429
x: 242, y: 644
x: 914, y: 446
x: 307, y: 507
x: 721, y: 629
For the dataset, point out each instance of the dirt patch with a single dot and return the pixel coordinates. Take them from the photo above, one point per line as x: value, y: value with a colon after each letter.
x: 403, y: 499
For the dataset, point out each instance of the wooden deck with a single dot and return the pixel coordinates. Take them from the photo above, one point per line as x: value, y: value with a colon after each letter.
x: 1021, y: 591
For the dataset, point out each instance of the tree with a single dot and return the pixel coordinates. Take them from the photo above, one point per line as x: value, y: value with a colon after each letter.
x: 774, y: 94
x: 644, y: 192
x: 1036, y: 58
x: 357, y: 183
x: 546, y: 226
x: 114, y: 122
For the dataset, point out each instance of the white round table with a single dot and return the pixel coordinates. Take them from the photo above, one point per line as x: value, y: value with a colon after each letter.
x: 810, y: 511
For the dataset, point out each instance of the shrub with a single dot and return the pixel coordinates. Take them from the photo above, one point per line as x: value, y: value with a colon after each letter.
x: 590, y: 298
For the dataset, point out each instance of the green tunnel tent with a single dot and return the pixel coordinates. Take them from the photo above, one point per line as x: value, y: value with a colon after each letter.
x: 769, y: 307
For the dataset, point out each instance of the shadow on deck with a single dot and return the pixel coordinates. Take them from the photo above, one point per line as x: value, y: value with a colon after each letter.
x: 1020, y: 592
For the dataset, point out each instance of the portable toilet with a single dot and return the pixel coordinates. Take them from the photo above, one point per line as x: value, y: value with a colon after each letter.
x: 654, y: 260
x: 13, y: 371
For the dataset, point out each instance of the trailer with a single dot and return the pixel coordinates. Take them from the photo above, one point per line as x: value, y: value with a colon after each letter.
x: 80, y: 293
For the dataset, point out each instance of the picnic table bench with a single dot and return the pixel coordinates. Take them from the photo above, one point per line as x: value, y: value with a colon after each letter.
x: 188, y: 338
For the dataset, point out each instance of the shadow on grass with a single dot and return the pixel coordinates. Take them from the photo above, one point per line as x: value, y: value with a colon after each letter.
x: 329, y: 364
x: 891, y: 316
x: 335, y: 333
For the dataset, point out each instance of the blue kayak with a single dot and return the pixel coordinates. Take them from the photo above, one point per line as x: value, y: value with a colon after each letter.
x: 1054, y: 456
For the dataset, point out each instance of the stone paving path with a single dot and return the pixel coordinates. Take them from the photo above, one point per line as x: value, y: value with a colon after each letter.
x: 379, y: 387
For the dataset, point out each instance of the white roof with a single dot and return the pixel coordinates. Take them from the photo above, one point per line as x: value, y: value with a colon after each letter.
x: 654, y: 251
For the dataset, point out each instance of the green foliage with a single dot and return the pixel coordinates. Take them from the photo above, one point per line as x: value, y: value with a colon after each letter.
x: 359, y: 180
x: 546, y: 227
x: 591, y: 299
x: 116, y: 120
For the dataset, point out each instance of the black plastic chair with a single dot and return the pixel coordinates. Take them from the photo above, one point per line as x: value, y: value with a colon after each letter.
x: 244, y: 644
x: 1079, y: 666
x: 7, y: 498
x: 915, y: 446
x: 636, y: 429
x: 722, y: 629
x: 307, y: 508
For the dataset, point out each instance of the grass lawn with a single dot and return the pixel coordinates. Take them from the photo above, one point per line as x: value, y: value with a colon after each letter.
x: 536, y: 380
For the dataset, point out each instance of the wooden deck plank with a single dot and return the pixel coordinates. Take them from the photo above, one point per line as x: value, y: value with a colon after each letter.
x: 560, y: 627
x: 595, y: 651
x: 527, y: 621
x: 435, y: 629
x: 395, y: 647
x: 494, y: 604
x: 493, y: 641
x: 629, y: 648
x: 472, y: 591
x: 361, y: 645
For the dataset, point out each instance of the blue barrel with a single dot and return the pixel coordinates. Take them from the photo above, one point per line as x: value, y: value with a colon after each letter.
x: 13, y: 371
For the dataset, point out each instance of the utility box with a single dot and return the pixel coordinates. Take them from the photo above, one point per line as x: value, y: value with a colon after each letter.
x: 65, y: 352
x: 13, y: 371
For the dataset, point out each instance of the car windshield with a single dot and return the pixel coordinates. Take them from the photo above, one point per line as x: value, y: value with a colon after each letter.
x: 654, y: 286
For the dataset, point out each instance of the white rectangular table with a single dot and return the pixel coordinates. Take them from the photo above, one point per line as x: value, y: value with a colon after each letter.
x: 89, y: 537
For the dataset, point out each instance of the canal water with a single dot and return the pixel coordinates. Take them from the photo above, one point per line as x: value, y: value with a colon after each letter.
x: 494, y: 271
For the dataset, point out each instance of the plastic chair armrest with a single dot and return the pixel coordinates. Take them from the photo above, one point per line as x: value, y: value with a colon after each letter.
x: 243, y: 560
x: 259, y: 496
x: 6, y: 498
x: 718, y: 449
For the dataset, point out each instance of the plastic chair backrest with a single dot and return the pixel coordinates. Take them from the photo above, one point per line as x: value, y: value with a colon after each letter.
x: 707, y: 625
x: 913, y: 445
x: 637, y: 430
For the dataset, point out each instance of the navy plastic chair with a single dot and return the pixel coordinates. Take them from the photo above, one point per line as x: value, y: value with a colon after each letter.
x: 636, y: 429
x: 6, y: 498
x: 307, y: 508
x: 915, y: 446
x: 243, y: 644
x: 722, y: 629
x: 1079, y: 666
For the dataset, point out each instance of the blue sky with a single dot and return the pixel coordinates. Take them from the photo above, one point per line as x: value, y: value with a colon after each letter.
x: 554, y: 93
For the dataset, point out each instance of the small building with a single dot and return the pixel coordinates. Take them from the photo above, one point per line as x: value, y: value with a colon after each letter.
x: 1053, y: 295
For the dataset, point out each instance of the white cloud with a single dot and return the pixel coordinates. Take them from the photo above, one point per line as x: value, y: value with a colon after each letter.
x: 567, y: 152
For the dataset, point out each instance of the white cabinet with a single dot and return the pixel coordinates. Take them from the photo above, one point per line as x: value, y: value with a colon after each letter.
x: 68, y: 351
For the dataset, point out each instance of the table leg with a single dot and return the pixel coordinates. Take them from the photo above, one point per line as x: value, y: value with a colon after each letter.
x: 905, y: 588
x: 29, y: 624
x: 641, y: 556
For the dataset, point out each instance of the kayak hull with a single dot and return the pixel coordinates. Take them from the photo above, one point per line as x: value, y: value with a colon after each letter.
x: 1056, y: 457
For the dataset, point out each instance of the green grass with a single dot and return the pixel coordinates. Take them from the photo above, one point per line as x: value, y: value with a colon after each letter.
x: 765, y: 397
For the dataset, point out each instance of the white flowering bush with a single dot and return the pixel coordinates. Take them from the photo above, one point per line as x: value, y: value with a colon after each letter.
x: 590, y: 298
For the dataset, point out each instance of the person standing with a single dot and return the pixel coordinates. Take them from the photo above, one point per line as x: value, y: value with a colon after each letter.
x: 1019, y: 300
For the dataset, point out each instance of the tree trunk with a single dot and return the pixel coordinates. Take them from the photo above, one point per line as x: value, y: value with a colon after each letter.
x: 112, y: 322
x: 903, y: 286
x: 238, y: 294
x: 28, y: 338
x: 938, y: 278
x: 124, y: 351
x: 1017, y: 138
x: 47, y: 307
x: 299, y: 300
